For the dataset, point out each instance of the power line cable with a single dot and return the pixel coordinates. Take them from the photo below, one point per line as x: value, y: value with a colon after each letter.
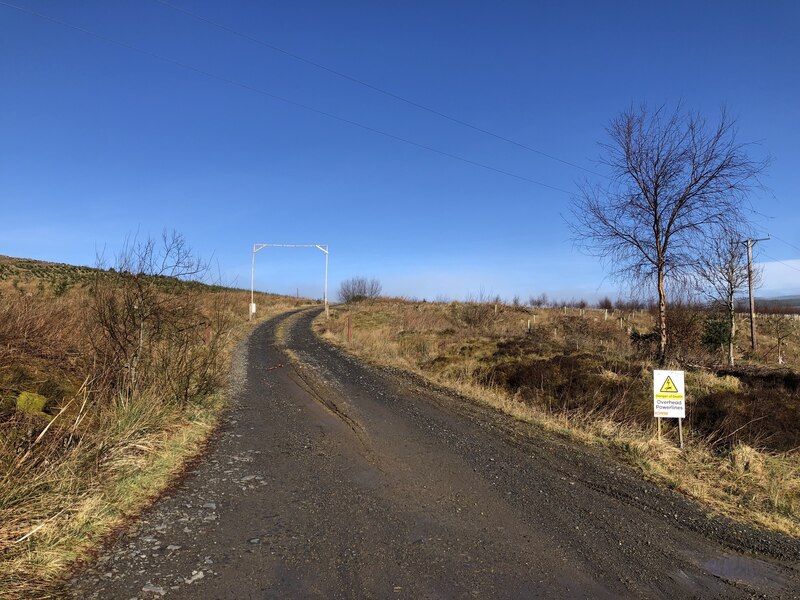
x: 755, y: 212
x: 780, y: 261
x: 373, y: 87
x: 775, y: 237
x: 785, y: 242
x: 280, y: 98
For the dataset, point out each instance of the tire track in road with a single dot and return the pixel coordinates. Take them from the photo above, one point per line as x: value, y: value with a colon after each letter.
x: 332, y: 479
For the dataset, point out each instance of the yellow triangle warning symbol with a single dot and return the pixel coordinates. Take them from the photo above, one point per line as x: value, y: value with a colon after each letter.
x: 668, y: 387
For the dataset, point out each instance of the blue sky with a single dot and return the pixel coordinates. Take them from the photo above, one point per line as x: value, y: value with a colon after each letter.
x: 98, y: 141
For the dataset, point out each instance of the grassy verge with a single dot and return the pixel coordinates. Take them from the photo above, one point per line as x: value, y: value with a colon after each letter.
x: 581, y: 376
x: 102, y: 449
x: 61, y: 513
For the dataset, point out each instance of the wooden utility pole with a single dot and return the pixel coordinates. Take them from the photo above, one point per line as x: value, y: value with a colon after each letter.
x: 750, y: 243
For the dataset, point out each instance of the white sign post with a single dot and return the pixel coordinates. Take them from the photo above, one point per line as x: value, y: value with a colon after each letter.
x: 669, y: 398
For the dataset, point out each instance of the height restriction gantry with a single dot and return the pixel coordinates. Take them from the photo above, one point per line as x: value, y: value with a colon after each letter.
x: 258, y: 247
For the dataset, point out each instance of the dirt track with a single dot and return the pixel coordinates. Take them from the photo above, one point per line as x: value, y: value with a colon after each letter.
x: 332, y: 479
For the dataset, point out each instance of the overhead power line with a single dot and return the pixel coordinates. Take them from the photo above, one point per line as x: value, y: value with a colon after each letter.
x: 775, y: 237
x: 288, y: 101
x: 373, y: 87
x: 755, y: 212
x: 780, y: 261
x: 785, y: 242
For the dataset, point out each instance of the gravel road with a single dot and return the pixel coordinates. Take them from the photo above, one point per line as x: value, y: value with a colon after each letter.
x: 332, y: 479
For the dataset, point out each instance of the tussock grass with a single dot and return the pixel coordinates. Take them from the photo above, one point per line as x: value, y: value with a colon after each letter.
x: 580, y: 376
x: 55, y: 510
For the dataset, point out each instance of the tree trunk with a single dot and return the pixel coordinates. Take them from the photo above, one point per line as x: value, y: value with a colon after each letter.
x: 732, y: 332
x: 732, y: 316
x: 662, y: 318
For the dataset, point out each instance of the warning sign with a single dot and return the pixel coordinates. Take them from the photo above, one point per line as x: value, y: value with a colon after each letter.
x: 669, y: 386
x: 669, y: 399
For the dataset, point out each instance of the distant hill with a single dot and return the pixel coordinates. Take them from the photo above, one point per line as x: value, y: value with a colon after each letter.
x: 21, y: 271
x: 786, y: 304
x: 12, y: 264
x: 29, y: 275
x: 780, y: 301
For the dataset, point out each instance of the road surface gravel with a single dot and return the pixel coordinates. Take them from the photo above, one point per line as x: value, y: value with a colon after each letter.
x: 333, y: 479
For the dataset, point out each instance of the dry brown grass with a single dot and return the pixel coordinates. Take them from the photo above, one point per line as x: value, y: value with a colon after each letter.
x: 97, y: 456
x: 465, y: 348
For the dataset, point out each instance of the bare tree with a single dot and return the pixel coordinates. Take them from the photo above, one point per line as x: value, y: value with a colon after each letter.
x: 359, y: 288
x: 539, y: 301
x: 145, y: 316
x: 722, y: 272
x: 673, y: 179
x: 782, y: 326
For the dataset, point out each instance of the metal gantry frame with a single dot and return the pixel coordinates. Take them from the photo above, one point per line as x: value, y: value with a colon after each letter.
x: 258, y: 247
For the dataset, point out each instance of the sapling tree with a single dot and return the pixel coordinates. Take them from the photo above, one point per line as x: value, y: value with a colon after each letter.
x: 721, y: 274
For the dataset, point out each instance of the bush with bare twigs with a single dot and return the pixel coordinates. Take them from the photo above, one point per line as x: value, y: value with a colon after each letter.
x: 357, y: 289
